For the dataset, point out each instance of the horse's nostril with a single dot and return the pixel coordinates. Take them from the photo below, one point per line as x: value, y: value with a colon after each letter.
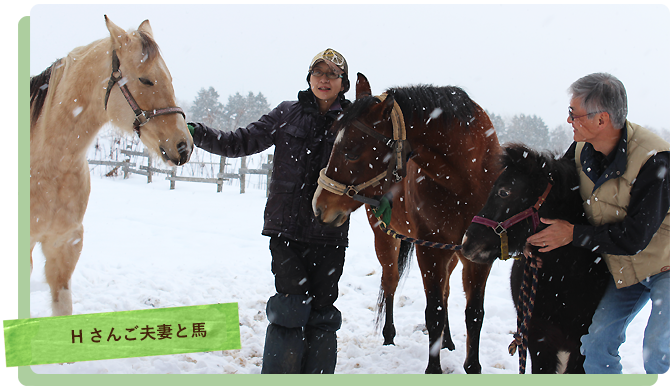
x: 182, y: 147
x: 184, y: 152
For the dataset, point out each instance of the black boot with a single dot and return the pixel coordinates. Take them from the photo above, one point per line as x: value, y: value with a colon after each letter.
x: 321, y: 341
x: 284, y: 342
x: 283, y: 351
x: 321, y: 353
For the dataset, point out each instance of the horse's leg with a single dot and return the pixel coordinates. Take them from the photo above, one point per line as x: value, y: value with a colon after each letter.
x: 390, y: 277
x: 447, y: 342
x: 575, y: 362
x: 434, y: 273
x: 544, y: 356
x: 474, y: 284
x: 32, y: 246
x: 550, y: 349
x: 387, y: 249
x: 62, y: 254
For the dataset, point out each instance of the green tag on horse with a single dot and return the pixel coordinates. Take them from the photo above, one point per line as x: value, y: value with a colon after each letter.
x: 504, y: 247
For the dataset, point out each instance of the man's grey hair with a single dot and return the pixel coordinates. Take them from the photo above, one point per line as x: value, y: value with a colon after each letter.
x: 602, y: 92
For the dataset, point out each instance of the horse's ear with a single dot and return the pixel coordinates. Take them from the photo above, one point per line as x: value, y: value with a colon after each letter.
x: 515, y: 153
x: 362, y: 86
x: 146, y: 27
x: 119, y: 36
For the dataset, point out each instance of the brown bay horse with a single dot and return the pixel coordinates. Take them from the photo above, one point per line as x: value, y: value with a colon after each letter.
x: 438, y: 165
x: 122, y: 80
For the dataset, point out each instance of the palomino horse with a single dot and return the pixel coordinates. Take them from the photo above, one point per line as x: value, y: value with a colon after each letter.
x: 571, y: 280
x: 69, y: 103
x: 447, y: 157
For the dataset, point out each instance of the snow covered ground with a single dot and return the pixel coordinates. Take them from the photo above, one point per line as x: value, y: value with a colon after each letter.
x: 150, y: 247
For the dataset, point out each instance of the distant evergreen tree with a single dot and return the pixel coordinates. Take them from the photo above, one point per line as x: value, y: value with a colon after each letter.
x: 499, y: 126
x: 561, y: 138
x: 529, y: 130
x: 663, y: 133
x: 242, y: 110
x: 207, y: 109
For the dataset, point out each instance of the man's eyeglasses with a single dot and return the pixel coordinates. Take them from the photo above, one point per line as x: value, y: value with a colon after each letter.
x: 573, y: 117
x: 330, y: 75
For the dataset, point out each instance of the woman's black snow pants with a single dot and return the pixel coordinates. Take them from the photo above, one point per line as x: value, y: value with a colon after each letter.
x: 301, y: 336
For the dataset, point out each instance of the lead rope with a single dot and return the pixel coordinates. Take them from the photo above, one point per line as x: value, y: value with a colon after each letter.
x: 527, y: 298
x: 430, y: 244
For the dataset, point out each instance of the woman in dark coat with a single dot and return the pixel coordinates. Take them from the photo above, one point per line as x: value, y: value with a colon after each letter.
x: 307, y: 258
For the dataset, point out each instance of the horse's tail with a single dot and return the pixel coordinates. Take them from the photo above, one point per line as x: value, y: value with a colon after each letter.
x: 404, y: 257
x: 39, y: 88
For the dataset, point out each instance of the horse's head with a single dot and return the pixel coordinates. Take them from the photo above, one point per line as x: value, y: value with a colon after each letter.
x: 524, y: 179
x: 142, y: 70
x: 359, y: 161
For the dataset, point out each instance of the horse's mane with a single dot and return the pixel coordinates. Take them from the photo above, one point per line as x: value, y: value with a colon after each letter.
x: 356, y: 109
x: 149, y: 46
x: 540, y: 166
x: 419, y: 102
x: 39, y: 85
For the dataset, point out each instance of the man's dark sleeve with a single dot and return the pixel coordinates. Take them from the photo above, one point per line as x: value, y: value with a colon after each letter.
x: 649, y: 204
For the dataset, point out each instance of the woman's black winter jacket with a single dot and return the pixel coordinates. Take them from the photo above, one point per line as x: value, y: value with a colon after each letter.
x: 303, y: 142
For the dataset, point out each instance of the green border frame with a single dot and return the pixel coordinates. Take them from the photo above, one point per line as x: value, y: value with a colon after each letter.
x: 28, y: 378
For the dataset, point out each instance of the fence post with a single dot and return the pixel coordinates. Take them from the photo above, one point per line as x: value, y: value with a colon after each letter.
x: 126, y: 173
x: 222, y: 167
x: 148, y: 165
x: 270, y: 160
x: 171, y: 175
x: 243, y: 177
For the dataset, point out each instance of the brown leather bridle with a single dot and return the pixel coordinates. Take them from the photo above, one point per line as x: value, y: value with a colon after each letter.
x: 397, y: 167
x: 141, y: 116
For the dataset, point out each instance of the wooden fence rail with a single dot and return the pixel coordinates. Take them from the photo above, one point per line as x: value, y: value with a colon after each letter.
x: 148, y: 170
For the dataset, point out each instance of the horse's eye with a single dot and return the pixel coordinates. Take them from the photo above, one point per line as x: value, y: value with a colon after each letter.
x: 503, y: 193
x: 351, y: 156
x: 146, y: 81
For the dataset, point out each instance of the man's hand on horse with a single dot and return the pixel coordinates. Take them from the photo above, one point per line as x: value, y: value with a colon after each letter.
x: 557, y: 234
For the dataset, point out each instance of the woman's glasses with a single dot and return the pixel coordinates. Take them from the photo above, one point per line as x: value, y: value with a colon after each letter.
x: 330, y: 75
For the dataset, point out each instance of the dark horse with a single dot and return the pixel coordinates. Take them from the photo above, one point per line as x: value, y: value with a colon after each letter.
x: 571, y: 280
x: 438, y: 173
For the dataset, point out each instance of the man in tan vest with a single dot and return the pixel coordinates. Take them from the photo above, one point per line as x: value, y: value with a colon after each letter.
x: 625, y: 183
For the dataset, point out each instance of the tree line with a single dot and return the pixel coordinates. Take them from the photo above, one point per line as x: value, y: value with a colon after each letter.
x: 532, y: 131
x: 241, y: 110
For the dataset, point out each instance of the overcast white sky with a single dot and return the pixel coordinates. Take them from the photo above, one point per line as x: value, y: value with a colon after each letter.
x: 510, y: 58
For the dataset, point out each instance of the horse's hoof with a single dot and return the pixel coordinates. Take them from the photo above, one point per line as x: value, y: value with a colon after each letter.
x: 434, y: 370
x: 472, y: 368
x: 389, y: 335
x: 448, y: 344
